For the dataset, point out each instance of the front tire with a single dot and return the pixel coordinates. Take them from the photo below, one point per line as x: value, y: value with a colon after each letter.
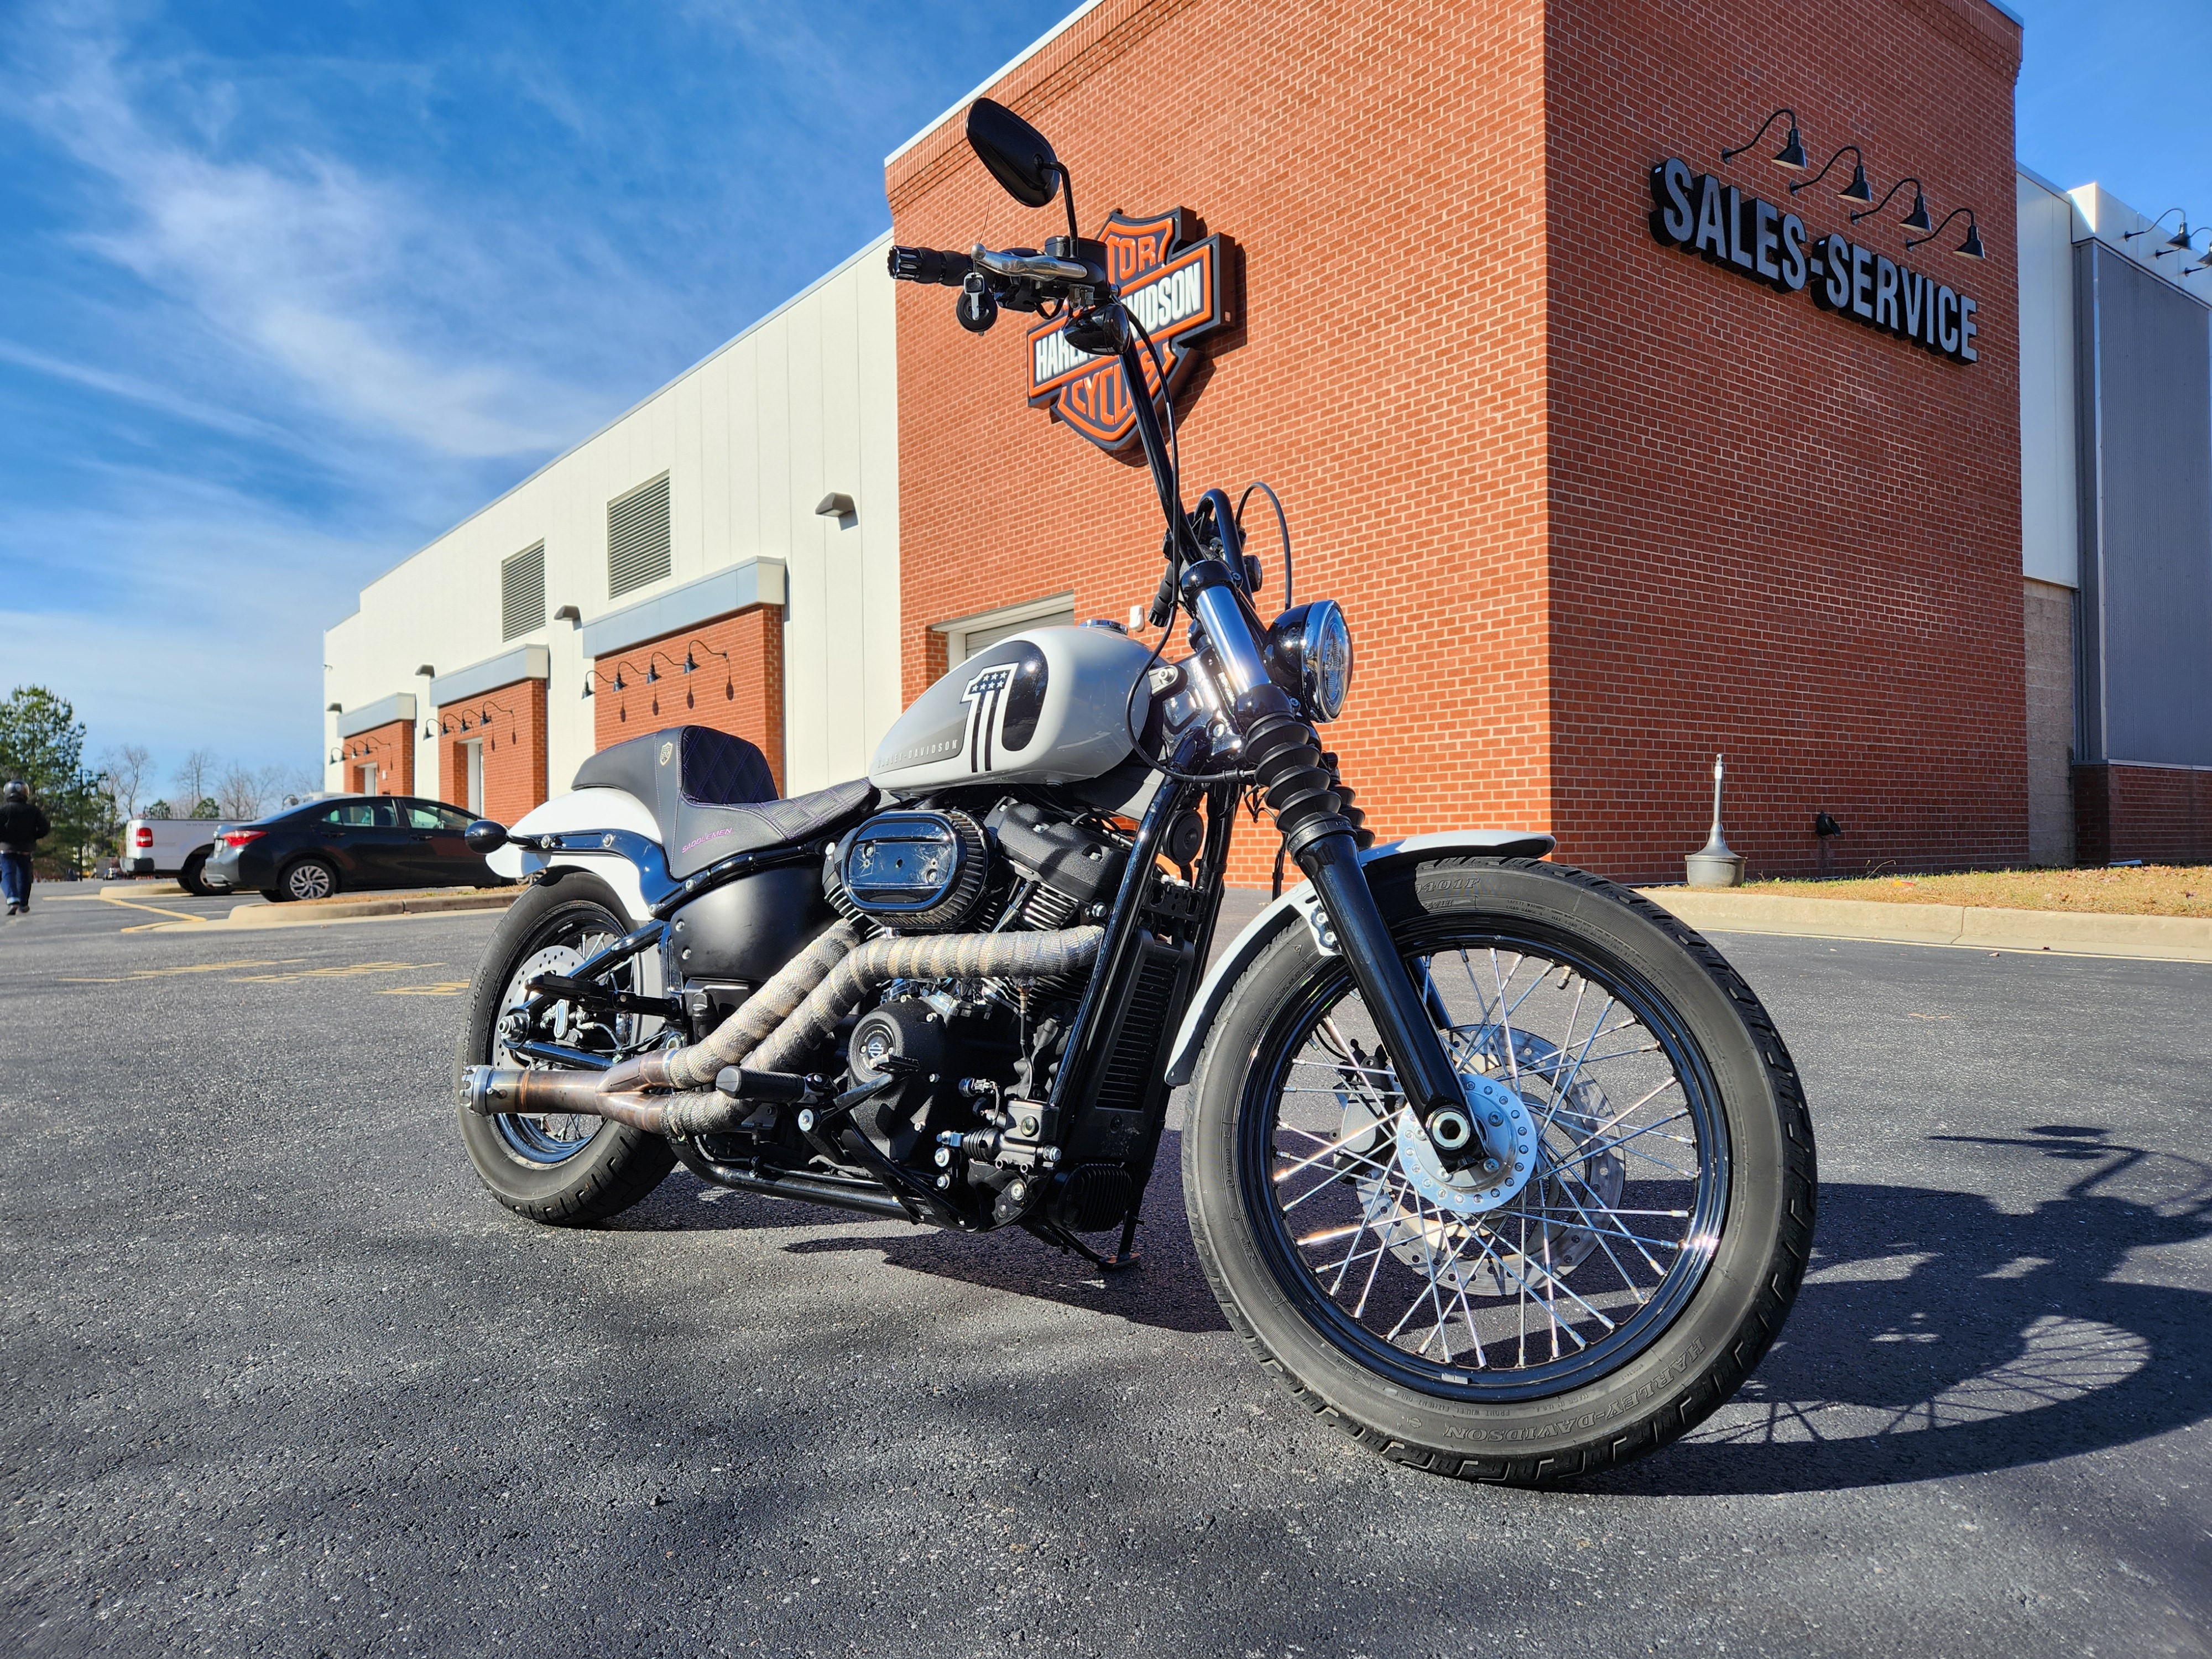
x: 561, y: 1170
x: 1583, y: 1306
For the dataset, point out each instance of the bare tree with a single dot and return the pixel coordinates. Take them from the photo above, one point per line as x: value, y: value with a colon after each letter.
x: 291, y: 783
x: 196, y: 776
x: 129, y: 770
x: 239, y: 793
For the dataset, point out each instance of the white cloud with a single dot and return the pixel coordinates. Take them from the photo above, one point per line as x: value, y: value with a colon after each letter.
x: 359, y: 296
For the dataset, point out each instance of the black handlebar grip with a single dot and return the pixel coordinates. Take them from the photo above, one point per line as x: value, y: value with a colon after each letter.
x: 929, y: 265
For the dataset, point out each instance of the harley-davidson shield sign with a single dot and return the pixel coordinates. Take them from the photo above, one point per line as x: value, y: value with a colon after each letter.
x: 1171, y: 284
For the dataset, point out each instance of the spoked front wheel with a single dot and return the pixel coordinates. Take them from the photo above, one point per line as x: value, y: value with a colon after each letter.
x: 1605, y: 1278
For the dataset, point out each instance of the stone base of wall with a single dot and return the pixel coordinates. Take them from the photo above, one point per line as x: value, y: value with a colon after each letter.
x: 2161, y: 814
x: 2047, y: 613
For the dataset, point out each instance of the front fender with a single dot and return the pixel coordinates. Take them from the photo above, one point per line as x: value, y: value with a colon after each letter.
x: 1301, y: 903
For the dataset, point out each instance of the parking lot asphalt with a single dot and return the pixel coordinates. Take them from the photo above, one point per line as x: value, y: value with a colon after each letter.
x: 281, y: 1379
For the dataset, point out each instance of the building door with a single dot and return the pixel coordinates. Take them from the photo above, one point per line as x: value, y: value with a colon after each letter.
x: 472, y: 767
x: 365, y: 780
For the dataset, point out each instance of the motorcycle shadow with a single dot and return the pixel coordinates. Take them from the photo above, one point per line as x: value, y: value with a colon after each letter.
x: 1937, y: 1335
x: 1166, y: 1289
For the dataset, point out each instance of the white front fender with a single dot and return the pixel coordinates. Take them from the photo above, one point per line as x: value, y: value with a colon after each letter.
x: 1302, y: 904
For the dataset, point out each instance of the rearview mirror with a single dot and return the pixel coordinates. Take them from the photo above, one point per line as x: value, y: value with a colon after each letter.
x: 1017, y: 153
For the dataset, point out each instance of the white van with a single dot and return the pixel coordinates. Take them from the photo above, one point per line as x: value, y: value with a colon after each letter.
x: 169, y: 847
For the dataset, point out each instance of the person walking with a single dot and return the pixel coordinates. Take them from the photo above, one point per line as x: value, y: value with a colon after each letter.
x: 22, y: 824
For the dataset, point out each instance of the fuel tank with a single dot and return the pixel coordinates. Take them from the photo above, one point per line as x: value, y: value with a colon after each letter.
x: 1048, y: 705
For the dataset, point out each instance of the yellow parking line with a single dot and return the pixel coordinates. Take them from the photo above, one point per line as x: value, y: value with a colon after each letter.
x: 346, y: 971
x: 450, y: 988
x: 189, y: 967
x: 152, y: 909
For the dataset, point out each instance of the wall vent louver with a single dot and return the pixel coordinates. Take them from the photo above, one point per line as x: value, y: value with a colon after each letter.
x: 637, y: 537
x: 522, y: 592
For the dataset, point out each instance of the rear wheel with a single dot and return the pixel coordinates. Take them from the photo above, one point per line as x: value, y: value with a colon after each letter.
x: 558, y: 1167
x: 1610, y: 1282
x: 306, y: 879
x: 189, y: 877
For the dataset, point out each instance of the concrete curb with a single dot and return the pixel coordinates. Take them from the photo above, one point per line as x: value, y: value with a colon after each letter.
x: 412, y: 904
x: 141, y: 889
x: 2061, y: 932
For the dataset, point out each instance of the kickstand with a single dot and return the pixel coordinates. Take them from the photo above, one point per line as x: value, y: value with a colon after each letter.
x: 1121, y: 1262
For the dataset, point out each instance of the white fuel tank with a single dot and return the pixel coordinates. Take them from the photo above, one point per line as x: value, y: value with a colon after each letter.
x: 1048, y: 705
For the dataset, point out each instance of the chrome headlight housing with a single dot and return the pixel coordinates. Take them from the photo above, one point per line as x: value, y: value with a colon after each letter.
x: 1309, y: 655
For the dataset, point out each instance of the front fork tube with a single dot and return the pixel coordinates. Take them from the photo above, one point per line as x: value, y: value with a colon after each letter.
x: 1401, y: 1016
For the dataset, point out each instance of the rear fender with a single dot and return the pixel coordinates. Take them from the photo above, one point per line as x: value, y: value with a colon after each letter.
x: 1302, y: 904
x: 626, y: 826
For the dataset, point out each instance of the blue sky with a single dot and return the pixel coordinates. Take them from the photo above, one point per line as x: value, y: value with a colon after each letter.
x: 286, y: 290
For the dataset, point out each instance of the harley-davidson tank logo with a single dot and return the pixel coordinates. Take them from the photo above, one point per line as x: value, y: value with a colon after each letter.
x: 1172, y: 284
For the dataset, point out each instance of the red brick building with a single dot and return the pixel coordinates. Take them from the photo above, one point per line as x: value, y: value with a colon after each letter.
x: 1597, y: 510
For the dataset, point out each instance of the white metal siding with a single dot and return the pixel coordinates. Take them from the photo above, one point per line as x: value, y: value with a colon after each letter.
x: 803, y: 404
x: 2050, y: 524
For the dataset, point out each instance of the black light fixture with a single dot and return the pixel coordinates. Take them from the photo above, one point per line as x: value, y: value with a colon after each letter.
x: 690, y: 665
x: 1792, y: 153
x: 618, y: 681
x: 1971, y: 248
x: 426, y: 672
x: 2130, y: 235
x: 2179, y: 242
x: 652, y: 674
x: 335, y: 757
x: 333, y: 709
x: 1857, y: 191
x: 1915, y: 220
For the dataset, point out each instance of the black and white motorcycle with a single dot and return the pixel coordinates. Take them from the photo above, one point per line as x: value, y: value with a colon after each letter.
x: 1500, y: 1166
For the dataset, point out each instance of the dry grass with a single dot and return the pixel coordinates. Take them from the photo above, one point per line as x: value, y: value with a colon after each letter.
x: 2155, y: 889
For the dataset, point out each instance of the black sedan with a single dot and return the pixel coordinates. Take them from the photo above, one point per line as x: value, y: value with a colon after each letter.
x: 358, y: 841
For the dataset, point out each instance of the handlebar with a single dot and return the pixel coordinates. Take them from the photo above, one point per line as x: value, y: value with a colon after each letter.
x: 940, y: 266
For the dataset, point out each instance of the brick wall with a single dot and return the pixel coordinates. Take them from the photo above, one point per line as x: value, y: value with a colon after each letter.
x: 2160, y: 814
x: 389, y: 748
x: 737, y: 686
x: 513, y: 740
x: 1595, y: 509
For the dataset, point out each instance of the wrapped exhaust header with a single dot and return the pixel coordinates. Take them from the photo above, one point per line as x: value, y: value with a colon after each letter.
x: 672, y: 1093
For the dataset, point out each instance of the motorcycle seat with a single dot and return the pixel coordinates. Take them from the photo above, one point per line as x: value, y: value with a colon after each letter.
x: 713, y: 794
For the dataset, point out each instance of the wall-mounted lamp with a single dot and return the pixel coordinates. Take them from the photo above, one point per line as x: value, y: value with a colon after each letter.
x: 335, y: 757
x: 1915, y: 220
x: 568, y: 613
x: 2130, y: 235
x: 2179, y: 242
x: 1972, y: 247
x: 1792, y: 153
x: 1857, y: 191
x: 837, y: 505
x: 333, y: 709
x: 426, y: 672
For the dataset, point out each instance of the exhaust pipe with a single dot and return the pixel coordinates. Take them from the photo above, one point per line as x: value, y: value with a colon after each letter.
x: 673, y: 1091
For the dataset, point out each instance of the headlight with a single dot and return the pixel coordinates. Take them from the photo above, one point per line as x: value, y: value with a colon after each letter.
x: 1309, y: 656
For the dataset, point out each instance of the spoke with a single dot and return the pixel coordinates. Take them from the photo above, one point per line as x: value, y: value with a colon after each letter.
x: 1631, y: 1237
x: 1505, y: 1015
x: 1329, y: 1233
x: 1583, y: 1155
x: 1281, y: 1175
x: 1360, y: 1308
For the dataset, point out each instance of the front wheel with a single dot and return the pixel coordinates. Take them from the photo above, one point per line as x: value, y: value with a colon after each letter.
x: 1619, y: 1272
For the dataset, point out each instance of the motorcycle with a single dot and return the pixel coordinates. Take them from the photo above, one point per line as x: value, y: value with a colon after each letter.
x: 1498, y: 1166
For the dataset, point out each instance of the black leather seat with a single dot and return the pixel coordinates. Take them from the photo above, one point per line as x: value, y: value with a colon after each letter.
x: 712, y: 795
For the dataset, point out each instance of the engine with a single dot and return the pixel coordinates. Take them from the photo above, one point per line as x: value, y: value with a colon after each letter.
x: 975, y: 1059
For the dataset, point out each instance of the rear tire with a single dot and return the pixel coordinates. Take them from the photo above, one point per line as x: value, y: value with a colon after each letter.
x: 189, y: 877
x: 305, y: 879
x: 565, y: 1174
x: 1647, y: 1355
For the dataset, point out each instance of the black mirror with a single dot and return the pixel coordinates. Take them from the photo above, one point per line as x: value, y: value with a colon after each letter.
x: 485, y: 836
x: 1017, y: 153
